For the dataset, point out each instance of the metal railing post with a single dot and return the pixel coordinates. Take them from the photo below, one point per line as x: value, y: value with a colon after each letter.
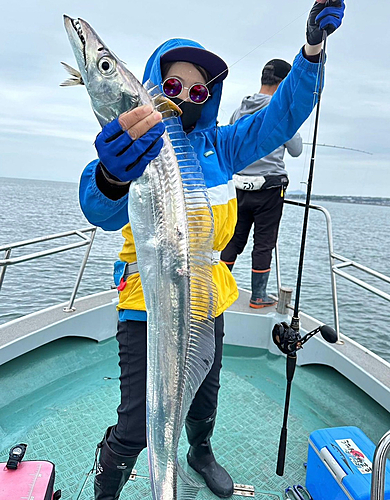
x: 7, y: 254
x: 332, y: 274
x: 277, y: 265
x: 379, y: 468
x: 331, y: 261
x: 69, y: 307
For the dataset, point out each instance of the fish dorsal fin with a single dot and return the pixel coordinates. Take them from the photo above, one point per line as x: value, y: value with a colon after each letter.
x: 178, y: 206
x: 76, y: 76
x: 161, y: 102
x: 200, y: 233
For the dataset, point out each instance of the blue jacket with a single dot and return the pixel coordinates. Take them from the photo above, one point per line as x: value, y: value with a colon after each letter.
x: 222, y: 151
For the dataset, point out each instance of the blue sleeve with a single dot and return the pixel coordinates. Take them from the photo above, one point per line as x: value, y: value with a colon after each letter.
x: 99, y: 210
x: 254, y: 136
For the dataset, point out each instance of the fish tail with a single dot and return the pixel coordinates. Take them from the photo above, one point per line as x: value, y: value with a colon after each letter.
x: 188, y: 486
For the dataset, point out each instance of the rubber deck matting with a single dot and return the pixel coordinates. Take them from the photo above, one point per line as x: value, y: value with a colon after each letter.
x: 245, y: 441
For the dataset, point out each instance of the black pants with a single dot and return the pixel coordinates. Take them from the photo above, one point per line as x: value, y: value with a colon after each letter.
x: 264, y: 209
x: 128, y: 437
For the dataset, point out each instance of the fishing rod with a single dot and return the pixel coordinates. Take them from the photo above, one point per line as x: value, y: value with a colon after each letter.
x: 287, y: 337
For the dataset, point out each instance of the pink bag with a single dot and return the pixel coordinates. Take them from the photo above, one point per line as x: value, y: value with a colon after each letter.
x: 28, y: 480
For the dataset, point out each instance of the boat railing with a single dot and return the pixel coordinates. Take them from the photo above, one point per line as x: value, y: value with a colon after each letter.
x: 379, y: 468
x: 85, y: 240
x: 337, y: 265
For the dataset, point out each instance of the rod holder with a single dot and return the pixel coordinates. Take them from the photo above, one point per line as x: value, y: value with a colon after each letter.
x: 285, y: 295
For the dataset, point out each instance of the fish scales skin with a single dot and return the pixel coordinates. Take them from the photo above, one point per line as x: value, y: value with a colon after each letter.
x: 172, y: 223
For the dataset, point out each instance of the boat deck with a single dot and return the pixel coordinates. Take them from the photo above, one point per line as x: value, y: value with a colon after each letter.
x: 60, y: 398
x: 95, y: 318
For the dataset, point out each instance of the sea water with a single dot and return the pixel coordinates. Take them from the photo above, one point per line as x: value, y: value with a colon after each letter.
x: 31, y: 209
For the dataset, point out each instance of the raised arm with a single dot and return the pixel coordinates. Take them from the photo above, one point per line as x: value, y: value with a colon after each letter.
x: 257, y: 135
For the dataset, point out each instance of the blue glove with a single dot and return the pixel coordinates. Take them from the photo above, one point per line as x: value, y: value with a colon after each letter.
x: 125, y: 159
x: 324, y: 16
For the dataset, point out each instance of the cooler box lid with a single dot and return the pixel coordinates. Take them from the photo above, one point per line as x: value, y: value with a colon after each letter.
x: 349, y: 453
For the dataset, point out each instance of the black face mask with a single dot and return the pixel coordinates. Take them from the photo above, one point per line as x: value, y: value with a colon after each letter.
x: 191, y: 113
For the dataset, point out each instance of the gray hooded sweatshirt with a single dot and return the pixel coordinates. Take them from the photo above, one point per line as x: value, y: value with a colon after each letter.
x: 272, y: 164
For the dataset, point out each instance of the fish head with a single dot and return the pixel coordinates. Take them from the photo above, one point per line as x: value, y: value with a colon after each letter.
x: 113, y: 89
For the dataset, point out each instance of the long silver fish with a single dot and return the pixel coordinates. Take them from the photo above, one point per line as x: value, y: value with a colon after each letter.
x: 172, y: 223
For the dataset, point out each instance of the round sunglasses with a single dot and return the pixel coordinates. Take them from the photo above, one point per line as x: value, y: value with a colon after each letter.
x: 198, y: 92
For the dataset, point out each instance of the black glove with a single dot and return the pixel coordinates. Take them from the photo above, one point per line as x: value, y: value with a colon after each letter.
x: 324, y: 16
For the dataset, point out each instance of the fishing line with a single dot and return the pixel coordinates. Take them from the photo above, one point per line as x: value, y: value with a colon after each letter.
x: 309, y: 134
x: 253, y: 50
x: 339, y: 147
x: 258, y: 46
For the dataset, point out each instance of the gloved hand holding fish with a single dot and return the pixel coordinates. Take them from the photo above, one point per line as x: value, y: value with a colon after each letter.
x: 169, y: 185
x: 124, y: 156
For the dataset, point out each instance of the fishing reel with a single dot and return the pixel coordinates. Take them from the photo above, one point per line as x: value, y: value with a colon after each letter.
x: 288, y: 339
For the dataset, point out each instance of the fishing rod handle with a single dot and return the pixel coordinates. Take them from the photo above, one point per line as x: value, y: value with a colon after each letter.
x: 291, y: 363
x: 282, y: 452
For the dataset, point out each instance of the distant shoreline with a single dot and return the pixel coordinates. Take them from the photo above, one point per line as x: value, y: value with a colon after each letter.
x: 293, y: 195
x: 359, y: 200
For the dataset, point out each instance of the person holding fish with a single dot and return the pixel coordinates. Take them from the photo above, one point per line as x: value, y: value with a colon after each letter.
x: 191, y: 77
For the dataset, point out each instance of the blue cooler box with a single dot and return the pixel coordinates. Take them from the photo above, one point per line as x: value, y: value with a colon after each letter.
x: 339, y: 465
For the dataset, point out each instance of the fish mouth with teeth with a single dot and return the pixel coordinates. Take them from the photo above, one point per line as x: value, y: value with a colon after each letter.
x: 79, y: 30
x: 79, y: 38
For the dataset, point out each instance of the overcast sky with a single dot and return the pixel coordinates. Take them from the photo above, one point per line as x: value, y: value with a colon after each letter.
x: 47, y: 132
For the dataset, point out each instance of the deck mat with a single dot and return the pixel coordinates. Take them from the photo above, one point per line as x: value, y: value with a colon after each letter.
x: 60, y: 398
x: 245, y: 442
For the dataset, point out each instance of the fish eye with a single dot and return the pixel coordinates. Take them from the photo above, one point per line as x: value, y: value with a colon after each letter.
x: 106, y: 65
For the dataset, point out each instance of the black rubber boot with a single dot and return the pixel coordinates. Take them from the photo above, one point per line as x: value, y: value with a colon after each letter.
x: 259, y: 291
x: 112, y: 471
x: 201, y: 458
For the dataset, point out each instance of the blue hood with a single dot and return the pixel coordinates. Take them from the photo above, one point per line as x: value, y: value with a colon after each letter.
x: 153, y: 73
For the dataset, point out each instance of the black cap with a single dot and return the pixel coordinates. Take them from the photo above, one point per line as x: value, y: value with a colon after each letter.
x: 210, y: 62
x: 280, y: 68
